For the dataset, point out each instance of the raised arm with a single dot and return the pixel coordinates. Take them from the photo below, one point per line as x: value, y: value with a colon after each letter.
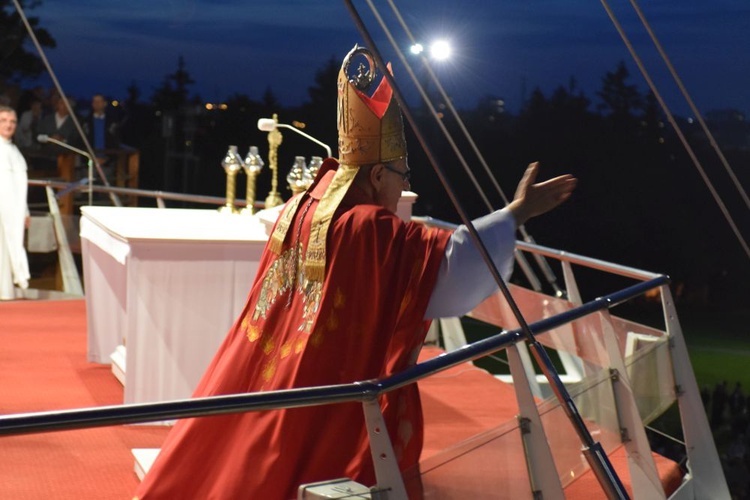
x: 463, y: 280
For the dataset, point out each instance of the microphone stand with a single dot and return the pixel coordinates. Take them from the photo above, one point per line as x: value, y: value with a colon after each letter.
x: 268, y: 124
x: 271, y: 125
x: 308, y: 136
x: 90, y: 173
x: 592, y: 450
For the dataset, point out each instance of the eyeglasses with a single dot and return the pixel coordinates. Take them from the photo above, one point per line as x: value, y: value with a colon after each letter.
x: 404, y: 175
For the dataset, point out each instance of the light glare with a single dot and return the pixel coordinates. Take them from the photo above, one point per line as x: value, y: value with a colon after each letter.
x: 440, y: 50
x: 417, y: 49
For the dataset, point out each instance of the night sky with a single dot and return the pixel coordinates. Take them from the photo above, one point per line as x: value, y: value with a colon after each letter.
x: 501, y: 48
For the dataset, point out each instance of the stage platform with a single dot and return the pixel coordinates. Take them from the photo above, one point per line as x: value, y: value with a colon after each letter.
x: 43, y: 367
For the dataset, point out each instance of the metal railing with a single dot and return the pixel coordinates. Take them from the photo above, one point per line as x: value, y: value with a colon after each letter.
x: 572, y: 258
x: 357, y: 391
x: 367, y: 392
x: 159, y: 196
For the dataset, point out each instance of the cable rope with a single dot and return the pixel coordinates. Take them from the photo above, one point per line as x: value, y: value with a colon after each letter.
x: 520, y: 258
x: 56, y: 82
x: 428, y: 102
x: 540, y: 260
x: 678, y: 130
x: 664, y: 434
x: 690, y: 102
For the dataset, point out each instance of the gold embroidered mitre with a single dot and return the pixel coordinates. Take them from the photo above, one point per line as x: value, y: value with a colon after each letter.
x: 370, y: 127
x: 371, y: 131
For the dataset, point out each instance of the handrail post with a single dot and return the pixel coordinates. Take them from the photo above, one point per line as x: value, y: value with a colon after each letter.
x: 384, y: 459
x: 644, y: 478
x: 703, y: 460
x: 70, y: 278
x: 540, y: 463
x: 583, y: 367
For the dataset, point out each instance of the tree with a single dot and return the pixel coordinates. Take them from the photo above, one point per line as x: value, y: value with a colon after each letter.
x: 320, y: 111
x: 559, y: 128
x: 619, y: 100
x: 173, y: 93
x: 270, y: 102
x: 323, y: 91
x: 181, y: 79
x: 16, y: 62
x: 134, y: 93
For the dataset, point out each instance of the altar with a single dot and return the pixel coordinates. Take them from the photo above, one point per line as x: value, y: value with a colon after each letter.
x: 163, y: 287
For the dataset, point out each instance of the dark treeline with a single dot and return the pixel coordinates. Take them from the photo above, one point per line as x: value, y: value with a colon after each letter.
x: 640, y: 201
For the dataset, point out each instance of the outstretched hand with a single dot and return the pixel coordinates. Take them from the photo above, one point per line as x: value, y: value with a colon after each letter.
x: 532, y: 199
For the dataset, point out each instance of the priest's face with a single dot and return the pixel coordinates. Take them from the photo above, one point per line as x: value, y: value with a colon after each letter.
x: 8, y: 123
x: 394, y: 178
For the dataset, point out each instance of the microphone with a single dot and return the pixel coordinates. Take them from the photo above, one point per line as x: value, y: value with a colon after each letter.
x: 43, y: 138
x: 265, y: 125
x: 269, y: 125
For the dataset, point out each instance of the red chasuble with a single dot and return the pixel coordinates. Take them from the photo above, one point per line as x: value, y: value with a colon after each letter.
x: 363, y: 321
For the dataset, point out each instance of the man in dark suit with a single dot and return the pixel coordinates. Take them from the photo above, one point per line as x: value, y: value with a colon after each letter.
x: 59, y: 125
x: 101, y: 127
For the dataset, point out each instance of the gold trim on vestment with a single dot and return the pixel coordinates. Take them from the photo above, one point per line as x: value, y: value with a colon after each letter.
x: 276, y: 242
x: 315, y: 257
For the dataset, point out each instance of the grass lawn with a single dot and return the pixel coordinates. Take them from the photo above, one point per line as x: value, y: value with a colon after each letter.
x: 713, y: 365
x: 719, y: 346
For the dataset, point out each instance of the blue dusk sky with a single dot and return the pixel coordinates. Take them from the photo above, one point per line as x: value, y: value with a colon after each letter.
x: 501, y: 48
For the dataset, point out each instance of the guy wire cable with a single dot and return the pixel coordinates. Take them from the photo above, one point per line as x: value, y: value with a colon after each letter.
x: 92, y: 156
x: 676, y: 127
x: 593, y: 451
x: 540, y: 260
x: 520, y: 258
x: 523, y: 263
x: 690, y: 102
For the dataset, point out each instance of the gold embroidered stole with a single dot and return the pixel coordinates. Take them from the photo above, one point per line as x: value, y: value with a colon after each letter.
x: 315, y: 256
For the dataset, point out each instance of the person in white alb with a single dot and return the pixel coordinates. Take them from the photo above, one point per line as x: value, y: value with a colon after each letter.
x: 14, y: 214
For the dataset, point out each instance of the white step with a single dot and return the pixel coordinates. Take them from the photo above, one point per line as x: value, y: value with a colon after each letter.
x: 144, y: 459
x: 118, y: 363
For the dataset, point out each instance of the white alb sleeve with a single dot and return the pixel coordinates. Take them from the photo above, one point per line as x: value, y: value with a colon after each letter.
x: 463, y: 279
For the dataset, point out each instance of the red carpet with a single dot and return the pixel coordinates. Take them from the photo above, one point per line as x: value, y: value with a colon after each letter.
x: 43, y: 367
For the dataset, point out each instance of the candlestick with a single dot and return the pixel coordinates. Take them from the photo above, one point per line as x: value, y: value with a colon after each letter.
x: 232, y: 165
x: 274, y: 141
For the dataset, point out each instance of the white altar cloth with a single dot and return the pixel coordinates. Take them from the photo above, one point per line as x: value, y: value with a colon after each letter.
x: 169, y: 283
